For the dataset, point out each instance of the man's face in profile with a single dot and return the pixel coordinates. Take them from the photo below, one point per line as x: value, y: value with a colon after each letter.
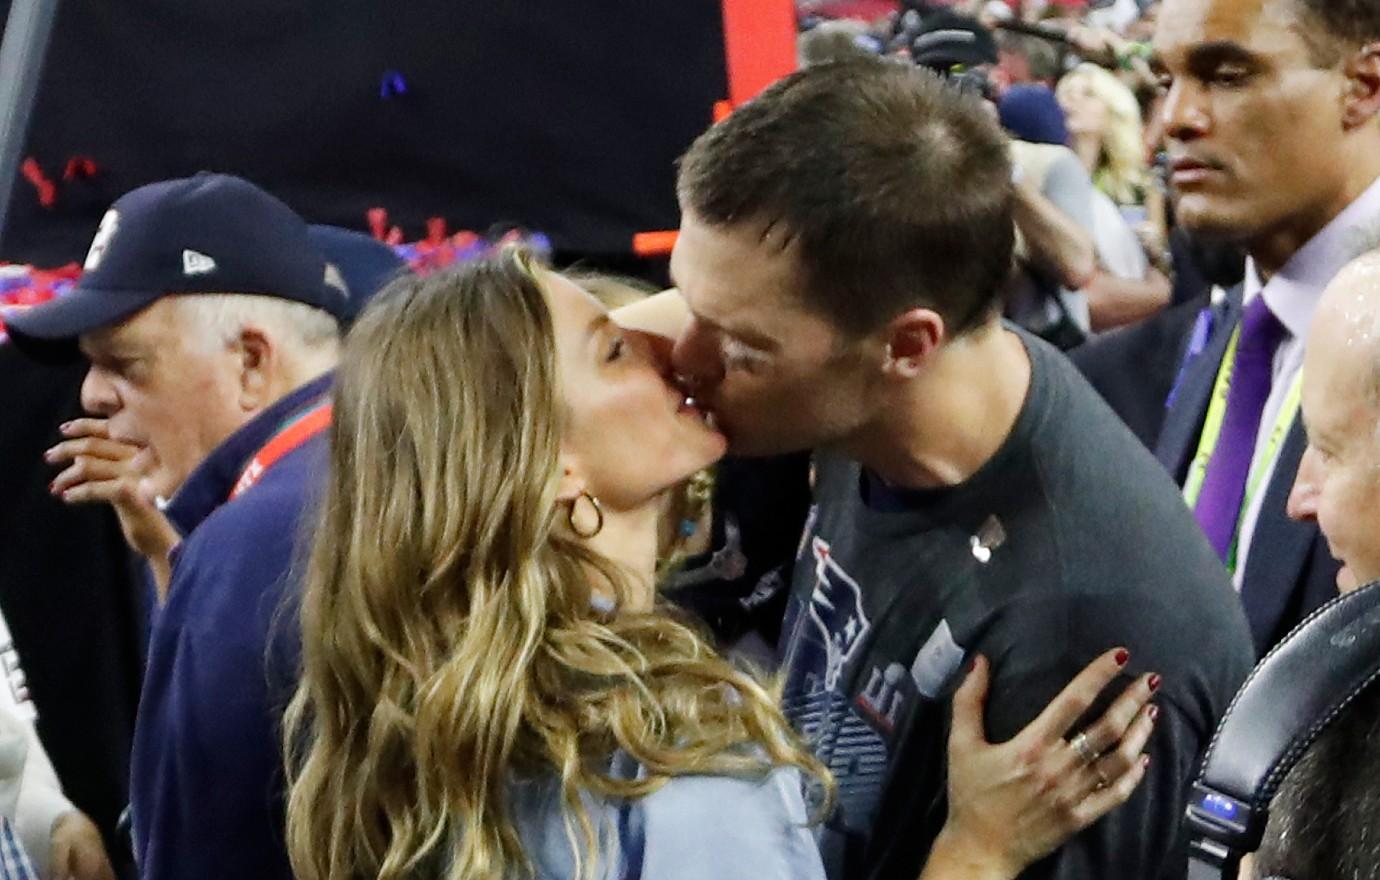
x: 1252, y: 114
x: 1338, y: 483
x: 778, y: 376
x: 167, y: 389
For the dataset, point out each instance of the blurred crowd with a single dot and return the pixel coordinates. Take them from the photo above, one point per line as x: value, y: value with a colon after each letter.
x: 1075, y: 77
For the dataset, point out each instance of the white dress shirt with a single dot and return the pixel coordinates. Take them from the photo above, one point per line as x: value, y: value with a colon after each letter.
x: 1293, y: 295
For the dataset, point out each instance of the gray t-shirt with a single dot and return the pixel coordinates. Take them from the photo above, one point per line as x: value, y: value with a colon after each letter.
x: 1069, y: 188
x: 1069, y: 542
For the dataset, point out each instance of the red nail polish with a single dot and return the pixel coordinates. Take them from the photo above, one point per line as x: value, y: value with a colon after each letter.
x: 1155, y: 682
x: 1154, y: 712
x: 1145, y: 760
x: 1122, y: 655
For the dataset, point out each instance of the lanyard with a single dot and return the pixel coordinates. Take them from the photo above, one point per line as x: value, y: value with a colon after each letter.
x: 1212, y: 434
x: 1197, y: 342
x: 298, y: 429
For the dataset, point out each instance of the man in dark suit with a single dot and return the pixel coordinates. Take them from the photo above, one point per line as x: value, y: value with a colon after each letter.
x: 1271, y: 120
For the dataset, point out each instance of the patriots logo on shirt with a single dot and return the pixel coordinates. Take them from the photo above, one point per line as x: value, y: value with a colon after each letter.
x: 836, y: 610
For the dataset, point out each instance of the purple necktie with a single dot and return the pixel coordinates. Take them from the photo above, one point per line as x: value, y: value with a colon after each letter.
x: 1224, y: 487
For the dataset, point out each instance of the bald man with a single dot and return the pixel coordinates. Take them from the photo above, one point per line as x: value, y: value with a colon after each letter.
x: 1338, y: 484
x: 1322, y: 821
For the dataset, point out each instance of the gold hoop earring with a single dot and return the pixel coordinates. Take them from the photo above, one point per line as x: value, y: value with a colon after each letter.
x: 598, y: 516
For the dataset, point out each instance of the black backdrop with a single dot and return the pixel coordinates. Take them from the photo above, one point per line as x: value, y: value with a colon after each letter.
x: 564, y: 116
x: 71, y: 595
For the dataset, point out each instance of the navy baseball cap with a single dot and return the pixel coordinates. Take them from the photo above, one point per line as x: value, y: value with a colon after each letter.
x: 366, y: 264
x: 210, y: 233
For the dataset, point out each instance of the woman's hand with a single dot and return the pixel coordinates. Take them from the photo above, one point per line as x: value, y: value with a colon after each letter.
x: 1012, y: 804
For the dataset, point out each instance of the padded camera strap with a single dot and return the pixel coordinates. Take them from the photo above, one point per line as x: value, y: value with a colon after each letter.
x: 1292, y: 696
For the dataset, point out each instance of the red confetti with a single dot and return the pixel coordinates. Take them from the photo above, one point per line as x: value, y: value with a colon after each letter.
x: 47, y: 190
x: 80, y: 167
x: 378, y: 223
x: 436, y: 230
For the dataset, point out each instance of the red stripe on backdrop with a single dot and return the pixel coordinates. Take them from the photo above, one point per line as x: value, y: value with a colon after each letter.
x: 759, y: 49
x: 759, y: 44
x: 862, y: 10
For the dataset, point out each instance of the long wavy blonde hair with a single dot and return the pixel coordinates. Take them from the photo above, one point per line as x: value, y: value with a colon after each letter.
x: 452, y: 641
x: 1122, y: 172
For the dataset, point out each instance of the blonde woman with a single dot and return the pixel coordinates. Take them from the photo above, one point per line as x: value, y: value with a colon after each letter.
x: 490, y: 688
x: 1105, y: 131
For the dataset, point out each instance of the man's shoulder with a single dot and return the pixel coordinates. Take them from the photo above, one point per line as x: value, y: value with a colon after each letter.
x: 1082, y: 440
x: 248, y: 547
x: 271, y: 508
x: 1134, y: 369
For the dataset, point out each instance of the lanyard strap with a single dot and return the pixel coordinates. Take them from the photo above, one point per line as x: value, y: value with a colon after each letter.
x: 1261, y: 461
x: 298, y: 429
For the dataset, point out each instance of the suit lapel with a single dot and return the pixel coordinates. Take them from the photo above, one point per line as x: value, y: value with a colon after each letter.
x: 1184, y: 421
x: 1279, y: 547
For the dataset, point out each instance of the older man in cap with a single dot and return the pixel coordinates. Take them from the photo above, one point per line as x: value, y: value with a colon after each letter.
x: 211, y: 323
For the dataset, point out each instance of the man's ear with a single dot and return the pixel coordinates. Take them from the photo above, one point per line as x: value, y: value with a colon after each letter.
x: 258, y: 363
x: 1363, y: 94
x: 912, y: 338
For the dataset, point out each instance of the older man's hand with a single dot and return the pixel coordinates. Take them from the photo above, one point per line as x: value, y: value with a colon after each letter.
x: 100, y: 469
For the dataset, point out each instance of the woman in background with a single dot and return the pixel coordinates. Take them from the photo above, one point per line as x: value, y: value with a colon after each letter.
x: 490, y: 687
x: 1105, y: 131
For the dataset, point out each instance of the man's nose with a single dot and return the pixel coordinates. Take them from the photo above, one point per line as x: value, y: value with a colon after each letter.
x: 98, y: 395
x: 697, y: 360
x: 1303, y: 498
x: 1184, y: 112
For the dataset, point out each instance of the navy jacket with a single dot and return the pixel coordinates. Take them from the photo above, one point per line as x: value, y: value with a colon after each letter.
x: 1134, y: 368
x: 206, y: 775
x: 1290, y: 570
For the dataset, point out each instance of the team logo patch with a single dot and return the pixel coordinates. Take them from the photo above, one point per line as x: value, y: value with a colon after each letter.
x: 938, y: 662
x: 882, y: 698
x: 836, y: 609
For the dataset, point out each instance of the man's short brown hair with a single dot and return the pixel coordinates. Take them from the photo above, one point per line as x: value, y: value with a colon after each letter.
x: 1346, y: 25
x: 1355, y: 21
x: 896, y: 185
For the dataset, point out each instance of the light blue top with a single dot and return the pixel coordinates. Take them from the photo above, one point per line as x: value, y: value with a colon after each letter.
x: 693, y: 828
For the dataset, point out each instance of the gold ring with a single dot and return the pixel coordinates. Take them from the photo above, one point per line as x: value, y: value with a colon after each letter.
x: 1102, y: 781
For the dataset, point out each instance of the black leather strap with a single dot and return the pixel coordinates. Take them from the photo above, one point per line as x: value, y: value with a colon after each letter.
x: 1291, y: 697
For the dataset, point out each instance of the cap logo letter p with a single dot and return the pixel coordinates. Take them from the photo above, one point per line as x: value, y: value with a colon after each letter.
x: 104, y: 233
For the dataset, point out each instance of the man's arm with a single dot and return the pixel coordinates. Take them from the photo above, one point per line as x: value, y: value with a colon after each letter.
x: 1116, y: 302
x: 1055, y: 242
x: 1143, y: 838
x: 1011, y: 803
x: 664, y: 314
